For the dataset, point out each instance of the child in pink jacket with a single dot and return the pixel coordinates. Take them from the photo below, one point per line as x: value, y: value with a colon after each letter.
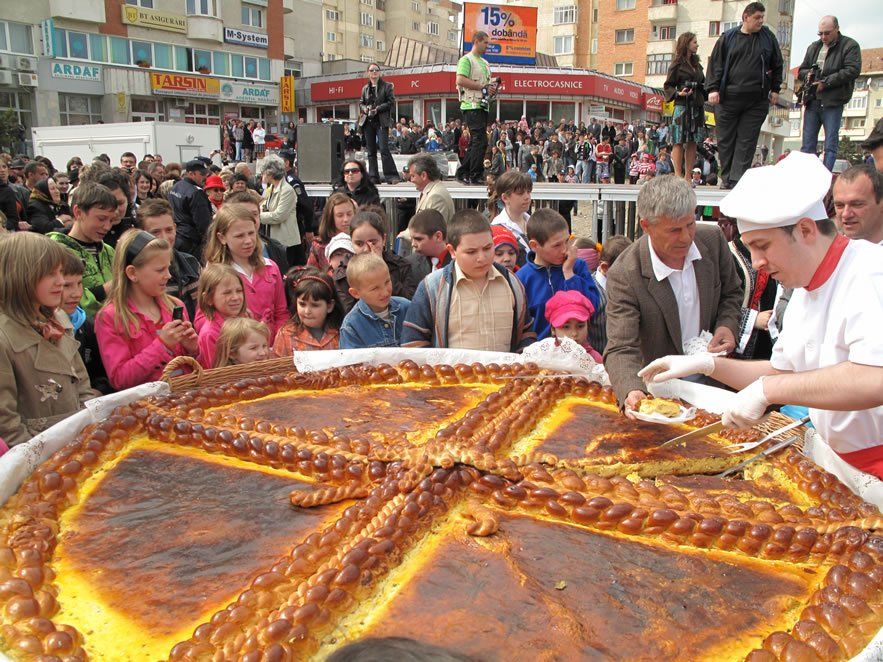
x: 137, y: 330
x: 220, y: 297
x: 232, y: 239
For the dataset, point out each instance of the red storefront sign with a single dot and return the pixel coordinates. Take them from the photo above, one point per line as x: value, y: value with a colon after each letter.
x: 439, y: 82
x: 653, y: 102
x: 515, y: 85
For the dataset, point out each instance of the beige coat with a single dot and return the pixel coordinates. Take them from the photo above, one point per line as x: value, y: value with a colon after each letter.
x: 436, y: 196
x: 279, y: 213
x: 40, y: 382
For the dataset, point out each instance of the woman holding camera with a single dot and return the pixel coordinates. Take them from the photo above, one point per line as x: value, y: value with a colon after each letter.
x: 684, y: 84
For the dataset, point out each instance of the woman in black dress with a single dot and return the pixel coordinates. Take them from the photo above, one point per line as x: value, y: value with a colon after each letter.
x: 685, y: 85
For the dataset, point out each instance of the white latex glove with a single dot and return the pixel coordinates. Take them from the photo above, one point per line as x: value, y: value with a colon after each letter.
x: 677, y: 365
x: 747, y: 407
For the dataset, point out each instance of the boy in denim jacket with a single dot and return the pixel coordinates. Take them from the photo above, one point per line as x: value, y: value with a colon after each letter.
x: 377, y: 319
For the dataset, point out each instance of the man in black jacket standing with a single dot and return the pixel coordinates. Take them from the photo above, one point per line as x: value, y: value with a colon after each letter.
x: 744, y: 78
x: 375, y: 118
x: 832, y: 64
x: 192, y: 208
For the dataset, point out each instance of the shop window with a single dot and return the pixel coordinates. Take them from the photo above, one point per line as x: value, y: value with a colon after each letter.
x: 202, y: 113
x: 255, y: 113
x: 342, y: 112
x: 563, y: 110
x: 119, y: 51
x: 510, y: 110
x: 452, y: 109
x: 536, y: 110
x: 79, y: 109
x: 325, y: 113
x: 147, y: 110
x: 16, y: 38
x: 432, y: 112
x: 405, y: 109
x: 98, y: 47
x: 202, y: 61
x: 142, y: 53
x: 19, y: 104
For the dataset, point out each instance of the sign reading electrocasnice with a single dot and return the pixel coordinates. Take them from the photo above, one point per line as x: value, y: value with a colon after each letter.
x: 512, y: 31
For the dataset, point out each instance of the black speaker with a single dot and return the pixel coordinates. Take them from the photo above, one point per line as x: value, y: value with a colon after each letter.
x: 319, y: 152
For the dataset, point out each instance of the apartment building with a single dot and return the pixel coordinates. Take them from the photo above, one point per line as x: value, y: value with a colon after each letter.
x: 636, y: 41
x: 566, y: 29
x: 364, y: 29
x: 864, y: 109
x: 66, y: 62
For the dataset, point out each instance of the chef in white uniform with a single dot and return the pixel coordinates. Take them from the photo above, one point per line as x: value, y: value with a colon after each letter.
x: 829, y: 357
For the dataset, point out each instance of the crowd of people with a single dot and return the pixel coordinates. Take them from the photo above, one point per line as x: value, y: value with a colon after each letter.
x: 110, y: 274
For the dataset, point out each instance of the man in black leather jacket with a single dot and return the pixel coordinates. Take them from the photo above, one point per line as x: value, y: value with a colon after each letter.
x: 376, y: 106
x: 838, y: 62
x: 192, y: 208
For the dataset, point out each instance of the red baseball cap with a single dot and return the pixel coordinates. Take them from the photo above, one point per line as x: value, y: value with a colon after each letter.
x: 503, y: 236
x: 214, y: 182
x: 566, y: 305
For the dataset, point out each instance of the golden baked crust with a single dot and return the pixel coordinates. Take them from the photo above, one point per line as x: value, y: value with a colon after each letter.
x: 193, y: 527
x: 661, y: 406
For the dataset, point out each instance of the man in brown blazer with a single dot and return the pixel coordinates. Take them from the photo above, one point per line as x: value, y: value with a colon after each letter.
x: 673, y: 283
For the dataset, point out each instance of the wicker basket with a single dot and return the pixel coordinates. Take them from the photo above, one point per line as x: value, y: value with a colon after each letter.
x: 202, y: 377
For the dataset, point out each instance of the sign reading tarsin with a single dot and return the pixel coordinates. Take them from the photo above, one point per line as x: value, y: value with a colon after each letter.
x: 286, y: 94
x: 151, y: 18
x: 181, y: 85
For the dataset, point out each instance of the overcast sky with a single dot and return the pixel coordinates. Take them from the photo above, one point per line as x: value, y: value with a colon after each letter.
x: 859, y: 19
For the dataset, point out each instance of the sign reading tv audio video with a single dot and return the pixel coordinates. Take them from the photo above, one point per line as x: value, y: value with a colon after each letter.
x: 512, y: 31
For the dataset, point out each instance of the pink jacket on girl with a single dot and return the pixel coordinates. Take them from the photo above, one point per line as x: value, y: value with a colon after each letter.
x: 134, y: 358
x: 208, y: 339
x: 265, y: 296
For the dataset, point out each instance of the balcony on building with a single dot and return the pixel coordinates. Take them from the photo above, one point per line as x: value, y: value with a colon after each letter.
x: 288, y: 47
x: 205, y: 28
x: 77, y: 10
x: 663, y: 10
x: 287, y: 6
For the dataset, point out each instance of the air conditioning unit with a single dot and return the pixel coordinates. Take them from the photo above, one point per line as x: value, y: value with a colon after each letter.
x: 23, y: 63
x: 5, y: 61
x: 27, y: 80
x: 181, y: 103
x: 6, y: 77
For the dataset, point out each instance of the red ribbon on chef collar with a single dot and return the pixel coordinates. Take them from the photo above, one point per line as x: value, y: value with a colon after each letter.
x: 829, y: 263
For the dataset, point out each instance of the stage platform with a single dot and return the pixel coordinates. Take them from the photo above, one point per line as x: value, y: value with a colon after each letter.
x: 705, y: 195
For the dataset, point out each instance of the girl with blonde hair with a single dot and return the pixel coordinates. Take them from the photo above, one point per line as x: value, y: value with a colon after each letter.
x: 35, y: 394
x: 242, y: 341
x: 141, y: 328
x: 220, y: 297
x: 233, y: 240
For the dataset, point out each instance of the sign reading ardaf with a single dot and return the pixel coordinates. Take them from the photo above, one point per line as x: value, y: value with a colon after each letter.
x: 259, y: 95
x: 256, y: 39
x: 76, y: 71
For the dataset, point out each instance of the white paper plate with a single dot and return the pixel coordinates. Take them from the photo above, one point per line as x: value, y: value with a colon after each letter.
x: 687, y: 414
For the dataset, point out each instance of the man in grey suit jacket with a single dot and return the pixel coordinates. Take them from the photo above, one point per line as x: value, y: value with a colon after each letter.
x: 673, y: 283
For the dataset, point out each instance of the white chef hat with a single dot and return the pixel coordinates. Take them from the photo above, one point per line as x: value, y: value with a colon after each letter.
x: 779, y: 195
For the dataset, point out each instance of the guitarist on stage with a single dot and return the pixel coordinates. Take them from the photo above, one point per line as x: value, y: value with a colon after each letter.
x: 476, y: 88
x: 376, y: 108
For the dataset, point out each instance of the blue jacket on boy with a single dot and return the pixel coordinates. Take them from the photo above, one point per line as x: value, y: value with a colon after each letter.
x: 363, y: 328
x: 540, y: 283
